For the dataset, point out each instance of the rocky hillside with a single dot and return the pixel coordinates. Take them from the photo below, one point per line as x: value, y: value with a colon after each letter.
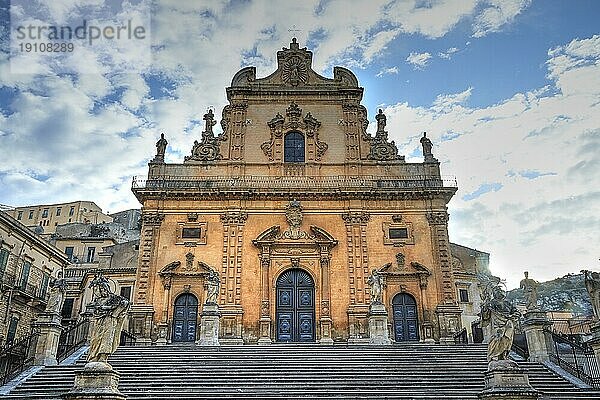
x: 561, y: 294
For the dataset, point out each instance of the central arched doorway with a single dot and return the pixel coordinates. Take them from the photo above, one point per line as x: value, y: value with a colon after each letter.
x: 295, y: 307
x: 185, y: 318
x: 406, y: 327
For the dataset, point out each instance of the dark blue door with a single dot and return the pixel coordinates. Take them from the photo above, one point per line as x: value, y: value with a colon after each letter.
x: 185, y: 318
x: 295, y: 308
x: 405, y: 318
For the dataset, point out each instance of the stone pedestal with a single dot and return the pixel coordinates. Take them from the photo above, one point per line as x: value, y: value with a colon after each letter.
x: 162, y: 334
x: 533, y: 326
x: 326, y: 332
x: 378, y: 325
x: 209, y: 326
x: 505, y: 380
x: 265, y: 331
x: 97, y: 381
x: 49, y: 327
x: 449, y: 322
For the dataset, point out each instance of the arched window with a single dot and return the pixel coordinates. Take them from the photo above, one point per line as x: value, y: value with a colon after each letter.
x: 294, y: 147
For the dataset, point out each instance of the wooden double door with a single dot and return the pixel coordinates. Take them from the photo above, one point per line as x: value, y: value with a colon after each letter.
x: 295, y: 307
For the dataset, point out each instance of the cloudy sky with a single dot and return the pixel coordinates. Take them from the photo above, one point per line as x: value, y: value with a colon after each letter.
x: 508, y: 91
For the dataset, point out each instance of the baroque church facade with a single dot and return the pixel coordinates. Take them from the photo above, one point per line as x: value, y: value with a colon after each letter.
x: 294, y: 205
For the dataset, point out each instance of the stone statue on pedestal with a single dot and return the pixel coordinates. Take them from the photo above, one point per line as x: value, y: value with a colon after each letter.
x: 58, y: 288
x: 109, y: 314
x: 530, y: 292
x: 161, y: 147
x: 503, y: 318
x: 213, y: 283
x: 592, y: 284
x: 427, y: 146
x: 375, y: 280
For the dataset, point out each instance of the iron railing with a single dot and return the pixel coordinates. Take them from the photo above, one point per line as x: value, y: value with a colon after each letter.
x: 460, y: 337
x: 127, y: 339
x: 71, y: 338
x: 576, y: 358
x: 17, y: 356
x: 249, y: 182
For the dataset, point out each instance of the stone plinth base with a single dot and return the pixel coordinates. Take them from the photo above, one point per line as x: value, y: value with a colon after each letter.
x: 162, y: 330
x: 505, y: 380
x: 209, y: 326
x: 378, y: 325
x: 97, y: 381
x: 49, y: 327
x: 534, y: 324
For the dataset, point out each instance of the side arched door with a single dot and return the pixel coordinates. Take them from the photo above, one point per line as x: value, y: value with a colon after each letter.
x: 185, y: 318
x: 406, y: 327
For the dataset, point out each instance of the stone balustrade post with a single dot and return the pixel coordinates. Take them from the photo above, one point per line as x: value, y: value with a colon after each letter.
x: 535, y: 323
x: 49, y: 328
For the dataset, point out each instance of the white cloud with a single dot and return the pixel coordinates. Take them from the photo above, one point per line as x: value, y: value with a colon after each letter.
x: 497, y: 14
x: 387, y: 71
x: 528, y: 165
x: 418, y: 60
x: 448, y: 53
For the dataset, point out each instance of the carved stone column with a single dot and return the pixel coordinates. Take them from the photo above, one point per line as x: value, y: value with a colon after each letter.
x: 265, y: 307
x: 163, y: 326
x: 358, y: 271
x: 325, y: 321
x: 49, y: 328
x: 447, y: 310
x: 142, y: 311
x: 230, y: 302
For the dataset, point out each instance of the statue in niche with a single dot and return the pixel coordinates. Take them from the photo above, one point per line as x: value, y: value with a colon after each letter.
x: 58, y: 289
x: 375, y: 281
x: 592, y: 284
x: 161, y: 147
x: 110, y: 311
x: 213, y: 284
x: 530, y: 292
x: 503, y: 318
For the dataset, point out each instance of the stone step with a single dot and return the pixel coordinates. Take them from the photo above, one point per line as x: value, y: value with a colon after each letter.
x: 298, y: 371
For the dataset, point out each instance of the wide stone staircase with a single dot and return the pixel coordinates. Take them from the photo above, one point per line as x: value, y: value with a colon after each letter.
x: 410, y: 371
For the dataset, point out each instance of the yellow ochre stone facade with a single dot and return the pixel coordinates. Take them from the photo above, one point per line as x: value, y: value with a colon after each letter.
x: 294, y: 185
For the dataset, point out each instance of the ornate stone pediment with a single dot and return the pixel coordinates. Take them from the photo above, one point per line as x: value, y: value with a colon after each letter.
x: 294, y: 70
x: 293, y: 120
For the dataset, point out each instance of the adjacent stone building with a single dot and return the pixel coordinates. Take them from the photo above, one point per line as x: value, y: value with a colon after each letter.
x: 49, y: 216
x: 27, y: 265
x: 294, y: 204
x: 468, y: 265
x: 111, y: 247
